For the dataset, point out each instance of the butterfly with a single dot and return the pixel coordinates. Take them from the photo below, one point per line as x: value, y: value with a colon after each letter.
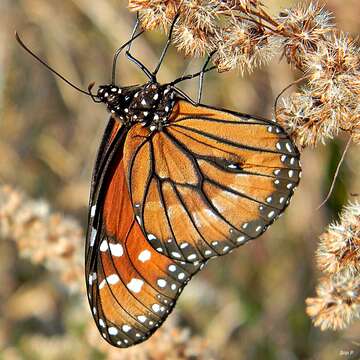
x: 175, y: 184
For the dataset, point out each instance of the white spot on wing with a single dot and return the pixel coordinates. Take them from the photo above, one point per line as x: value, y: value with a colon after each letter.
x: 116, y: 249
x: 126, y: 328
x: 145, y: 255
x: 172, y: 268
x: 104, y: 246
x: 181, y: 276
x: 135, y: 285
x: 112, y: 330
x: 113, y: 279
x: 162, y: 283
x: 142, y: 318
x: 92, y: 236
x: 92, y: 211
x: 92, y: 277
x: 156, y: 307
x: 102, y: 284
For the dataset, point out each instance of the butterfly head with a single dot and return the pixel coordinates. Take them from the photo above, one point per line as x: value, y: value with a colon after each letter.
x: 108, y: 94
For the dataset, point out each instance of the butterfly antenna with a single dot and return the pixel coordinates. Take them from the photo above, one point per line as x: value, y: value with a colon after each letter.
x: 121, y: 48
x: 53, y: 70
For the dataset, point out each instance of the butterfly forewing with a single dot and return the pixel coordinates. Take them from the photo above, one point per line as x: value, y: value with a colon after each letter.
x: 210, y: 181
x: 131, y: 287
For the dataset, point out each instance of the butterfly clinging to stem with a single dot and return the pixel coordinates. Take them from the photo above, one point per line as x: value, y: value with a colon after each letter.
x: 175, y: 183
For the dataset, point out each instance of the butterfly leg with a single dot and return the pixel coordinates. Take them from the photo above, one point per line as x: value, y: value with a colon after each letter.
x: 201, y: 77
x: 166, y: 45
x: 191, y: 76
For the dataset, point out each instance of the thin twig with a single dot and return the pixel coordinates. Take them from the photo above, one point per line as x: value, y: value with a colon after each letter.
x: 286, y: 88
x: 336, y: 174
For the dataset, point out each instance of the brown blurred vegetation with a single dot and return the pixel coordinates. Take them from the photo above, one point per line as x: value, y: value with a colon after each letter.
x: 249, y: 305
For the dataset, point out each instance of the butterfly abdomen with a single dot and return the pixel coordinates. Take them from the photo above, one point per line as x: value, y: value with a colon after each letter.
x: 150, y: 104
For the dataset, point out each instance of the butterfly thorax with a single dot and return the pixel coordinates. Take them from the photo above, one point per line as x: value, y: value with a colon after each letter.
x: 150, y: 104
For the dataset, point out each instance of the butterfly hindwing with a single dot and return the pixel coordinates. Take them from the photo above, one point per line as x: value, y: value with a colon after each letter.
x: 210, y: 180
x: 132, y: 288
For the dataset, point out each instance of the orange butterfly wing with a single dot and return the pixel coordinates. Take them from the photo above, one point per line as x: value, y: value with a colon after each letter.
x: 131, y: 287
x: 209, y: 181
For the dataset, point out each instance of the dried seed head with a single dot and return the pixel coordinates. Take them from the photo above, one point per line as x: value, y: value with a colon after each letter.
x: 334, y: 65
x: 307, y: 119
x: 338, y: 301
x: 155, y: 13
x: 42, y: 236
x: 339, y: 247
x: 193, y: 42
x: 200, y: 14
x: 245, y: 46
x: 241, y: 5
x: 303, y: 28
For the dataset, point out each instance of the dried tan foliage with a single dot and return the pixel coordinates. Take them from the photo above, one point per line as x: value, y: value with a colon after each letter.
x: 42, y: 236
x: 338, y: 255
x: 245, y: 37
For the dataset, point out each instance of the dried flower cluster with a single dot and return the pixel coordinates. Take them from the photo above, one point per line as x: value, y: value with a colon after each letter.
x: 338, y: 256
x: 57, y: 242
x: 244, y: 36
x: 44, y: 237
x: 330, y: 100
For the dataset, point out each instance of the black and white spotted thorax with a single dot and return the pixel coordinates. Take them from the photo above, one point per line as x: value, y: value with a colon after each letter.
x: 150, y: 104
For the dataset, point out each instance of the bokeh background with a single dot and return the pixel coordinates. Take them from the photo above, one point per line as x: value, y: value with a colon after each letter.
x: 249, y: 305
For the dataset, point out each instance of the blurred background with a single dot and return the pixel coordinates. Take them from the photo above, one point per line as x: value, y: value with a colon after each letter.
x: 250, y: 305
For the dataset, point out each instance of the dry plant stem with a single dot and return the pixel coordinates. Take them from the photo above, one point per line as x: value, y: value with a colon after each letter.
x: 336, y: 174
x: 283, y: 91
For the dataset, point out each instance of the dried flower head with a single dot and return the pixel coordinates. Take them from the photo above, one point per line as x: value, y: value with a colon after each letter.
x: 303, y: 27
x: 193, y: 42
x: 197, y: 27
x: 241, y: 5
x: 154, y: 13
x: 339, y: 247
x: 352, y: 120
x: 245, y: 45
x: 42, y: 236
x: 337, y: 302
x: 307, y: 119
